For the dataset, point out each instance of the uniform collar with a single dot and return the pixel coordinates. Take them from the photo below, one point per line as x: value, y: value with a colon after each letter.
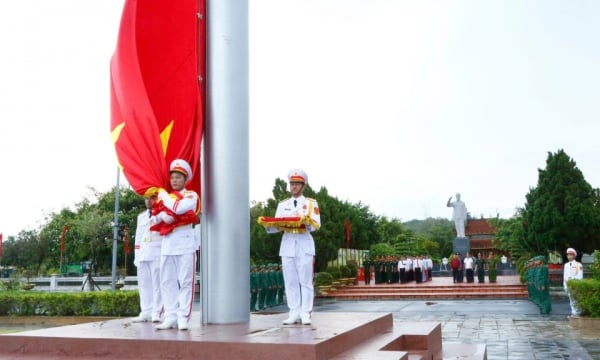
x: 299, y: 198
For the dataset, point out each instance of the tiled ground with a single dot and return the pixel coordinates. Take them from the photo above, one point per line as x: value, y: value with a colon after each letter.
x: 511, y: 329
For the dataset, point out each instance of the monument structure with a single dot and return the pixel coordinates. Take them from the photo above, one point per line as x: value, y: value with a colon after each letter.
x: 461, y: 243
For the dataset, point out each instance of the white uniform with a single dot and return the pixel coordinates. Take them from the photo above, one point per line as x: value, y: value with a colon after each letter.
x: 573, y: 270
x: 178, y: 261
x: 147, y: 261
x: 297, y: 253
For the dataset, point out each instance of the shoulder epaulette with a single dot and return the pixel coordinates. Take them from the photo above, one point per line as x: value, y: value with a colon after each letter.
x: 285, y: 200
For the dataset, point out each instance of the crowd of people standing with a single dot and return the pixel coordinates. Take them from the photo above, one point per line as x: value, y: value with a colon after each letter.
x: 419, y: 268
x: 266, y: 286
x: 471, y: 266
x: 393, y: 269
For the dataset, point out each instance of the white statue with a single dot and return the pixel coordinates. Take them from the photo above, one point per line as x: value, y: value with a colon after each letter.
x: 459, y: 215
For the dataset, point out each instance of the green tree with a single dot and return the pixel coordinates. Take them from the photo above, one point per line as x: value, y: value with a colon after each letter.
x: 439, y: 230
x: 509, y: 235
x: 562, y: 210
x: 89, y: 235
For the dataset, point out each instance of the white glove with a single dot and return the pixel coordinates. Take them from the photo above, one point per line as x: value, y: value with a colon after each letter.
x: 163, y: 195
x: 166, y: 218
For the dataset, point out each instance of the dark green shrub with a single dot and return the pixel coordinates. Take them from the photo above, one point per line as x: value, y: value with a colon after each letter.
x: 323, y: 278
x: 595, y: 267
x: 381, y: 249
x: 93, y: 303
x: 586, y: 293
x: 11, y: 284
x: 334, y: 271
x: 353, y: 268
x: 345, y: 271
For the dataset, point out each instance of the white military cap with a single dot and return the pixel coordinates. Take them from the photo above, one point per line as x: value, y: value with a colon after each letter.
x: 571, y: 250
x: 181, y: 166
x: 297, y: 175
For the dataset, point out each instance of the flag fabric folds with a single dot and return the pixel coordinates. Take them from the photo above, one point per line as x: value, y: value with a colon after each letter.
x: 156, y: 96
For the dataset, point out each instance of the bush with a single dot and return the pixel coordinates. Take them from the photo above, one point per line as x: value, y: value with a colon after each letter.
x: 586, y: 293
x: 334, y: 271
x: 323, y: 278
x: 93, y: 303
x: 353, y: 268
x: 12, y: 284
x: 381, y: 249
x: 346, y: 271
x: 595, y: 267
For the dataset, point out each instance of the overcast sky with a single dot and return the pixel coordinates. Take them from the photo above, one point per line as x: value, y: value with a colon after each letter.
x: 395, y: 104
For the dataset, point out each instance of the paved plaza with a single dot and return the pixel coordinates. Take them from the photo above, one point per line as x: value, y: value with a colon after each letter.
x: 511, y: 329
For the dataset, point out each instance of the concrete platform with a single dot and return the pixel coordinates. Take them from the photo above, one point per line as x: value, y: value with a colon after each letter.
x: 356, y: 335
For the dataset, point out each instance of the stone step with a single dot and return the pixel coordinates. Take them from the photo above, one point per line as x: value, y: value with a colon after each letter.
x: 508, y: 287
x: 416, y: 295
x: 404, y: 341
x: 431, y: 288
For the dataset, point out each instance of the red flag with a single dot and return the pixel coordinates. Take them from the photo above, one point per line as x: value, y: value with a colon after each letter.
x: 156, y: 96
x: 62, y: 238
x: 347, y: 222
x: 0, y: 244
x: 127, y: 239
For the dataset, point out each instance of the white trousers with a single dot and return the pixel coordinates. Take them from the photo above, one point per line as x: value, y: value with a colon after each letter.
x: 574, y: 308
x: 177, y: 286
x: 298, y: 280
x: 148, y: 277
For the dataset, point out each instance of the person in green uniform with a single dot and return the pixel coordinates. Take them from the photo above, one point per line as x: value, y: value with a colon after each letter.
x: 272, y: 287
x: 389, y: 276
x: 538, y: 283
x: 492, y: 264
x: 253, y: 287
x: 395, y: 274
x: 263, y: 285
x: 377, y: 264
x: 480, y: 268
x: 280, y: 284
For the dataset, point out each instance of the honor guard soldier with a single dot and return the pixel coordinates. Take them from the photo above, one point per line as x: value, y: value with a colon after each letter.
x: 147, y: 261
x: 573, y: 270
x: 176, y: 213
x: 297, y: 248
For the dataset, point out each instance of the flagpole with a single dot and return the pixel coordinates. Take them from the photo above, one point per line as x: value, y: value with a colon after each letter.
x: 115, y: 233
x: 227, y: 212
x: 126, y: 248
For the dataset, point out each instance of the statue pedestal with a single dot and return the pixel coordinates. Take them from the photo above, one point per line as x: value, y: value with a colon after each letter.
x: 461, y: 245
